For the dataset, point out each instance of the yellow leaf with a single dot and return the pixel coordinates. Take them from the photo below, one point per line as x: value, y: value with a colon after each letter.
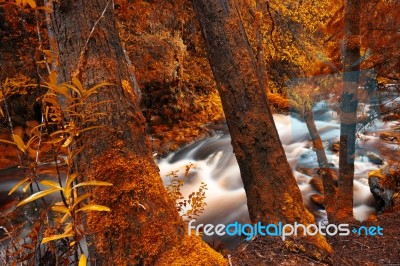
x: 7, y: 142
x: 47, y: 171
x: 66, y: 85
x: 55, y: 237
x: 31, y: 3
x: 62, y: 90
x: 68, y: 183
x: 53, y: 78
x: 89, y: 128
x: 93, y: 183
x: 37, y: 195
x: 68, y: 229
x: 82, y: 260
x: 19, y: 142
x: 78, y: 85
x: 65, y: 217
x: 94, y: 207
x: 25, y: 188
x: 95, y: 88
x: 68, y: 141
x: 50, y: 183
x: 30, y: 141
x: 20, y: 183
x: 60, y: 208
x: 81, y: 198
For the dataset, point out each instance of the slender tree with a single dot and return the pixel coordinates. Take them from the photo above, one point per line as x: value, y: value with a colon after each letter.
x: 327, y: 174
x: 143, y: 227
x: 348, y: 110
x: 272, y: 191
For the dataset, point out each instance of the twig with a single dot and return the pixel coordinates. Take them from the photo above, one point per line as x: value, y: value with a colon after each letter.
x: 40, y: 143
x: 273, y: 24
x: 41, y: 43
x: 229, y: 260
x: 361, y: 244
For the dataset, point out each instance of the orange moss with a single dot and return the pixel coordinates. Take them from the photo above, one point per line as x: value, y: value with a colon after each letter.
x: 306, y: 218
x: 142, y: 222
x: 279, y: 103
x: 192, y: 251
x: 389, y: 179
x: 143, y: 226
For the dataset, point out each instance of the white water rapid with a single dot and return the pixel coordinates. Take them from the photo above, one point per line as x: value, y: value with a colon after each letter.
x: 216, y: 165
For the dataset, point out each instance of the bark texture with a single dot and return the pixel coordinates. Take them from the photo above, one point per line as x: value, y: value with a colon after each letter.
x: 143, y: 225
x: 327, y: 173
x: 348, y: 110
x: 272, y: 191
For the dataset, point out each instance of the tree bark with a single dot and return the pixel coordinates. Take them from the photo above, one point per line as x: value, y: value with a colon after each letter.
x: 327, y: 173
x: 143, y: 227
x: 272, y: 192
x: 348, y: 110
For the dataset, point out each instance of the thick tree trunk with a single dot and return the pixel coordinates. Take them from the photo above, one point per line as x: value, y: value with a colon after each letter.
x: 348, y: 110
x: 143, y: 225
x: 272, y: 191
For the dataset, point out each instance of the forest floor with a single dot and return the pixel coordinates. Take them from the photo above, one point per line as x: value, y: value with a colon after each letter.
x: 352, y: 250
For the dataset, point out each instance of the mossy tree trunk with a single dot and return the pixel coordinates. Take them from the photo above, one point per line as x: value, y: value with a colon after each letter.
x: 348, y: 110
x: 143, y: 225
x: 271, y: 189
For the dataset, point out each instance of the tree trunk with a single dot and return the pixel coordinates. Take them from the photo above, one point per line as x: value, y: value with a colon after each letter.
x: 143, y: 226
x: 327, y: 173
x: 348, y: 110
x: 272, y: 192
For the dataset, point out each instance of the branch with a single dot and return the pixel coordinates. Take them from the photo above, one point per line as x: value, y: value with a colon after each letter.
x: 273, y: 24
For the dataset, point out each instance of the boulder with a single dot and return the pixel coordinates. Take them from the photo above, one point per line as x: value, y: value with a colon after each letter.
x: 387, y: 136
x: 385, y: 187
x: 334, y: 146
x: 318, y: 199
x: 316, y: 183
x: 374, y: 158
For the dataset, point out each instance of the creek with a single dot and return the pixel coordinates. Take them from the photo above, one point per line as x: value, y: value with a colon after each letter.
x: 214, y: 163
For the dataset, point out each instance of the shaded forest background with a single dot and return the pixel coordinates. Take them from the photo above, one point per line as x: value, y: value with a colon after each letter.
x: 164, y: 43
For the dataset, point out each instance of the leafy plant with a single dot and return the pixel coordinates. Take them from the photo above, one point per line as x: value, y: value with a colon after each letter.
x: 61, y: 129
x: 193, y: 205
x: 22, y: 3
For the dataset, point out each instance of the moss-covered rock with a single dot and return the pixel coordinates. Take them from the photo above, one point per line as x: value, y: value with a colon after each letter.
x: 385, y: 187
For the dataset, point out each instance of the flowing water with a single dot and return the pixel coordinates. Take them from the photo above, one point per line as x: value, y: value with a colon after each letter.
x: 215, y: 164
